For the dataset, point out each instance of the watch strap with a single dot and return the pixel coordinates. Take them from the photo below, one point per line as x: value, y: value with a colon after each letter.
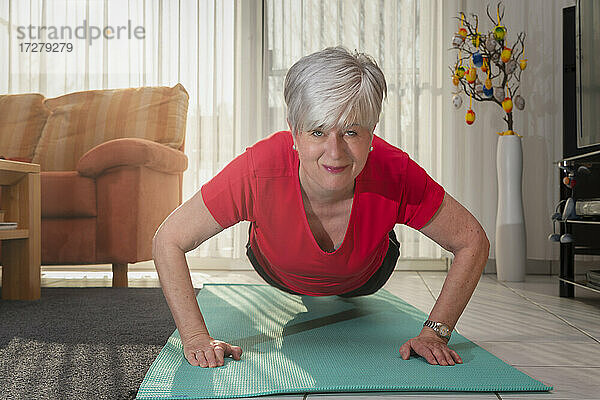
x: 441, y: 329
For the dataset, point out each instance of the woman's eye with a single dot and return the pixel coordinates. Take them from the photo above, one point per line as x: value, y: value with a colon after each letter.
x: 351, y: 133
x: 317, y: 133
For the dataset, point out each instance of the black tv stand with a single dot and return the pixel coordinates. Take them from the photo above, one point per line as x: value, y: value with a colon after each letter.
x: 586, y: 230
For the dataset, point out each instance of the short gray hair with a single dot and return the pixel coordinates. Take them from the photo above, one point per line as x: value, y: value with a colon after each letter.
x: 334, y: 88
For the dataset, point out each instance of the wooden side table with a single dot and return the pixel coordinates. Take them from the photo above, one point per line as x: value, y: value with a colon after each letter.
x: 21, y: 247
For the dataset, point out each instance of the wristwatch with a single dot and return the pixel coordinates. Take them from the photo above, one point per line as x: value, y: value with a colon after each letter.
x: 442, y: 330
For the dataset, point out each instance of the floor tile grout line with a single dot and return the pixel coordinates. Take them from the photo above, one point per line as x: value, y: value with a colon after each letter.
x: 548, y: 311
x: 426, y: 285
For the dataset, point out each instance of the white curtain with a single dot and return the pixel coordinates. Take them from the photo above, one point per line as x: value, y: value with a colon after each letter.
x: 232, y: 55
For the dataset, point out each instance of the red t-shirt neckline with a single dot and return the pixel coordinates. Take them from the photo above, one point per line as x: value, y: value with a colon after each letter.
x: 305, y: 217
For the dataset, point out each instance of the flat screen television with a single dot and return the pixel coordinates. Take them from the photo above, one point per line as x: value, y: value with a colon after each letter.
x: 581, y: 83
x: 587, y: 45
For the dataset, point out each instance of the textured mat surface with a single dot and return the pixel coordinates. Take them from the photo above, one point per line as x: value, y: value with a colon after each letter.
x: 303, y: 344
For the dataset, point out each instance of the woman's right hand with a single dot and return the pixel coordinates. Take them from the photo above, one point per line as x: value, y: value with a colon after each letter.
x: 204, y: 351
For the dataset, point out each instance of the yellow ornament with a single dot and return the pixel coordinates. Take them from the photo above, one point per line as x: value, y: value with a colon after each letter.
x: 488, y: 83
x: 476, y: 39
x: 499, y: 32
x: 455, y: 80
x: 507, y: 104
x: 460, y: 71
x: 471, y: 75
x: 505, y: 55
x: 462, y: 32
x: 523, y: 64
x: 470, y: 117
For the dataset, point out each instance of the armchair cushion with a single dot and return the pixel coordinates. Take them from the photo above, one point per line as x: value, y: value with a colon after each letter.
x: 80, y: 121
x: 131, y: 152
x: 67, y: 194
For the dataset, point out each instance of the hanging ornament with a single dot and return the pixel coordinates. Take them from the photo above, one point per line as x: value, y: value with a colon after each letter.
x: 456, y: 101
x: 477, y: 59
x: 457, y: 40
x: 488, y: 83
x: 470, y: 115
x: 484, y: 66
x: 455, y: 80
x: 499, y: 32
x: 488, y: 92
x: 487, y: 87
x: 519, y: 102
x: 507, y: 104
x: 523, y: 64
x: 523, y: 61
x: 505, y: 55
x: 471, y: 75
x: 460, y: 71
x: 511, y: 66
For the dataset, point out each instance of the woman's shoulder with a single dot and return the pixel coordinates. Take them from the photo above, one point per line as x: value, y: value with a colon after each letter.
x: 272, y: 155
x: 386, y: 162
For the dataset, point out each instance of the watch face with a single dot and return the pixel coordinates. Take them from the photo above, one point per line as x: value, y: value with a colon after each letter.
x: 444, y: 330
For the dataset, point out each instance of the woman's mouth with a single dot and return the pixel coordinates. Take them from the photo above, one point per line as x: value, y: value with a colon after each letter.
x: 333, y: 169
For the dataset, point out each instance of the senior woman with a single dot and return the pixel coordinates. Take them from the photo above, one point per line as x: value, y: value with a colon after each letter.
x: 323, y: 199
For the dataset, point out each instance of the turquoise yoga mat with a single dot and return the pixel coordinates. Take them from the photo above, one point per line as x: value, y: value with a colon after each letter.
x: 303, y: 344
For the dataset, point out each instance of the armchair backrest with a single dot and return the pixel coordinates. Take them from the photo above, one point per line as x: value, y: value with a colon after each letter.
x: 22, y: 118
x: 80, y: 121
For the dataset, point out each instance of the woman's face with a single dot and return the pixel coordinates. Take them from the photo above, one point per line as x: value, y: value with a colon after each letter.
x: 331, y: 160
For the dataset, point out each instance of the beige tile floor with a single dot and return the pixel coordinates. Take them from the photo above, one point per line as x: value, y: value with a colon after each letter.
x: 553, y: 339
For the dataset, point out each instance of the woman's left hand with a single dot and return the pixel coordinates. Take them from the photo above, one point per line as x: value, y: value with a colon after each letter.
x: 432, y: 348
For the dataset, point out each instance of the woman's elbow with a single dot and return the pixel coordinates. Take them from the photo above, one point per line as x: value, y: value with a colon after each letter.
x: 160, y: 243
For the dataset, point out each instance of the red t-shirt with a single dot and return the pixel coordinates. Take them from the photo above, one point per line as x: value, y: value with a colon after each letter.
x: 262, y: 185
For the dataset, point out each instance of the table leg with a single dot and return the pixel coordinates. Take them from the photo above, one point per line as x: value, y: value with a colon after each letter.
x: 21, y: 258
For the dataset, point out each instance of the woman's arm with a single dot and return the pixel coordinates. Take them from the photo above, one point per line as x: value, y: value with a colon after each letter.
x: 183, y: 230
x: 455, y: 229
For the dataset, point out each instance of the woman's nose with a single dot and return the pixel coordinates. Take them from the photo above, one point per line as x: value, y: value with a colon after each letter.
x: 335, y: 145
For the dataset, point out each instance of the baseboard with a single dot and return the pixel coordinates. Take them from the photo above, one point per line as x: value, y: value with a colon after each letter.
x: 545, y: 267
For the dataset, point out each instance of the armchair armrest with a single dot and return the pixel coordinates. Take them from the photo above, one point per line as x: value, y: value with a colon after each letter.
x: 131, y: 152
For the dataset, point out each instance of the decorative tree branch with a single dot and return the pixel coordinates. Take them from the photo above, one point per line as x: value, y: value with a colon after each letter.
x: 486, y: 51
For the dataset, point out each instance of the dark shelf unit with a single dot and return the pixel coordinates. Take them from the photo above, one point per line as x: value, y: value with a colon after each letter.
x: 586, y: 231
x: 587, y: 241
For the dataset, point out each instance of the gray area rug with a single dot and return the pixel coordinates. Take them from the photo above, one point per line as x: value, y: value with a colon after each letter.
x: 81, y: 343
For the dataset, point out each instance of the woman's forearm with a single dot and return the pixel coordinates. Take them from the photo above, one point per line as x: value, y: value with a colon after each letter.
x: 176, y: 283
x: 459, y: 284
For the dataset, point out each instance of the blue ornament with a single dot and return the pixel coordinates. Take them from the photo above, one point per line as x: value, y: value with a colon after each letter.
x: 477, y: 59
x: 488, y: 92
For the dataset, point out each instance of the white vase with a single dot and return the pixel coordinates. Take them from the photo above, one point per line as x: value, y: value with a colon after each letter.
x: 511, y: 240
